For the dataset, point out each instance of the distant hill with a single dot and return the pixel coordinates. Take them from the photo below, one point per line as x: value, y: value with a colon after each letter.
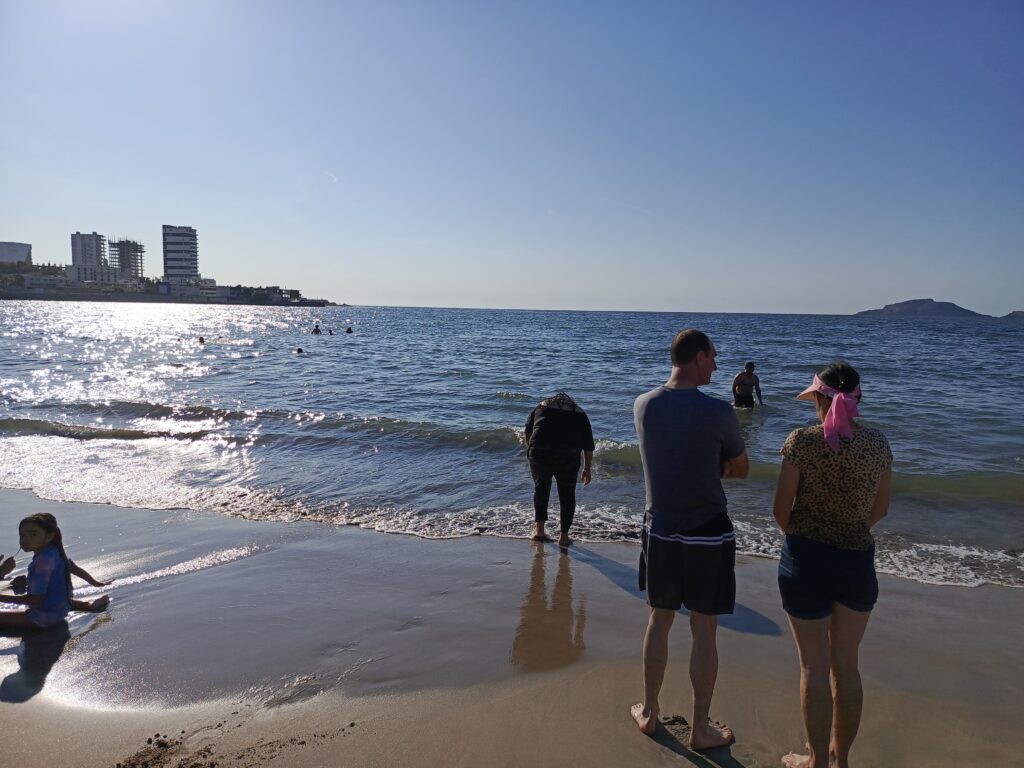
x: 1017, y: 315
x: 921, y: 308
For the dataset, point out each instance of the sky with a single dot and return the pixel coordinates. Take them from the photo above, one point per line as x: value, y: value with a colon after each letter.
x: 683, y: 156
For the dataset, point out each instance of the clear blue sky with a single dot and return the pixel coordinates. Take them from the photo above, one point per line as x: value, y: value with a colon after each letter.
x: 689, y: 156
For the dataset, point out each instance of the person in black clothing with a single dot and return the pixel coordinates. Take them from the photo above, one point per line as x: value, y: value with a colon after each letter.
x: 556, y: 431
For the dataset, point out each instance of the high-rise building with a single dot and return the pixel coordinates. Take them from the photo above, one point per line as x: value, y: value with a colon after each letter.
x: 126, y: 255
x: 181, y: 254
x: 13, y: 252
x: 88, y: 250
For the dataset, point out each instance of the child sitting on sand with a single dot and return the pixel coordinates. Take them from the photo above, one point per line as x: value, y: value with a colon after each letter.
x: 48, y: 584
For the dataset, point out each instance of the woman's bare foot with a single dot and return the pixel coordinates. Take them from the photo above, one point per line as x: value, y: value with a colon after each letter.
x: 647, y: 723
x: 563, y: 540
x: 710, y: 735
x: 793, y: 760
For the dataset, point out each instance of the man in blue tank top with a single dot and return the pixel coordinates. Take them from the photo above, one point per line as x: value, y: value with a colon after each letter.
x: 688, y: 443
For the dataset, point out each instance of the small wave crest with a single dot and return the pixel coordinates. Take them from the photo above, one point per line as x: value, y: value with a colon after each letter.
x: 42, y: 427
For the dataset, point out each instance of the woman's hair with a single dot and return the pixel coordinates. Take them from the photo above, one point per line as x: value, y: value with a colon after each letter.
x: 840, y: 375
x: 48, y: 523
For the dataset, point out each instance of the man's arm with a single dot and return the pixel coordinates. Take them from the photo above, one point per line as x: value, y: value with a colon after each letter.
x: 736, y: 383
x: 737, y: 467
x: 785, y: 493
x: 757, y: 388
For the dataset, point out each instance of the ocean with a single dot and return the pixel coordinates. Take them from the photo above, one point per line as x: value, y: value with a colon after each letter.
x: 412, y: 424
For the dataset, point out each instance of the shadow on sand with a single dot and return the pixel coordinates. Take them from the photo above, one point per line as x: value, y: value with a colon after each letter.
x: 37, y: 653
x: 743, y: 619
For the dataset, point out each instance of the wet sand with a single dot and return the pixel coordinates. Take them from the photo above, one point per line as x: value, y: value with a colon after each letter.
x: 247, y: 643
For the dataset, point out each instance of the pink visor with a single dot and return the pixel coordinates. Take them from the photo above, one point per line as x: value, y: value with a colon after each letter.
x: 839, y: 420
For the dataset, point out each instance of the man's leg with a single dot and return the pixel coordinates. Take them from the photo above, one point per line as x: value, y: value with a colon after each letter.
x: 655, y: 660
x: 845, y: 633
x: 703, y: 674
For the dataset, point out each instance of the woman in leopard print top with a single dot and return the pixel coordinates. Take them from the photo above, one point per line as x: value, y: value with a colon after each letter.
x: 834, y: 486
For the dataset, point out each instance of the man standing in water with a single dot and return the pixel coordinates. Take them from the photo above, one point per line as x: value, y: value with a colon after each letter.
x: 688, y: 442
x: 744, y: 386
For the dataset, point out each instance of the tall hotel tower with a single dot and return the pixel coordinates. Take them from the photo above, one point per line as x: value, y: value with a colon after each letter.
x: 181, y: 254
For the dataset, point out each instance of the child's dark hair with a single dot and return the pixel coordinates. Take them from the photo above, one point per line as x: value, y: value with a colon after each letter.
x: 840, y: 375
x: 48, y: 523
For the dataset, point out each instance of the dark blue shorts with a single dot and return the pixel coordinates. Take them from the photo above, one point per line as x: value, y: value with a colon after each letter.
x: 813, y: 576
x: 696, y: 568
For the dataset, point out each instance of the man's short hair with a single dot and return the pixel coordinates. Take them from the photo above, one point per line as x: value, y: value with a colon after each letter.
x: 687, y: 344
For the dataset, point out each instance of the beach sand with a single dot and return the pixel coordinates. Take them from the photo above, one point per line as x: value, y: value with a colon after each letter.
x: 241, y: 643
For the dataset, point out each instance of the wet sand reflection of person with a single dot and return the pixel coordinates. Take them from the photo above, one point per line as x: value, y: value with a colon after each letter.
x: 546, y: 637
x: 37, y: 654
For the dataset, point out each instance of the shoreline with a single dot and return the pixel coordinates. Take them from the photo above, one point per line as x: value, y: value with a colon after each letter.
x: 480, y: 650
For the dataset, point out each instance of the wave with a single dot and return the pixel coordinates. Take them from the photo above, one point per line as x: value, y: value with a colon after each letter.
x: 42, y: 427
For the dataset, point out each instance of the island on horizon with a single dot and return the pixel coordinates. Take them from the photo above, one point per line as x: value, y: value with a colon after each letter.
x: 928, y: 308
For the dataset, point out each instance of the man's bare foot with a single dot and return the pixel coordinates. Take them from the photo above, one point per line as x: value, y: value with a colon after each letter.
x: 647, y: 723
x: 710, y: 735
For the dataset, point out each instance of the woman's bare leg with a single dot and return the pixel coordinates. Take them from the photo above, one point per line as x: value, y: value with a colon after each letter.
x: 845, y: 633
x: 812, y: 642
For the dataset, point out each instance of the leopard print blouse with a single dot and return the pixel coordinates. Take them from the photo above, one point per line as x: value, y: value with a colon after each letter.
x: 837, y: 489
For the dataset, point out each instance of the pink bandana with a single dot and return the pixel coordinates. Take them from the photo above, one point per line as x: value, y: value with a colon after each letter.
x: 839, y: 419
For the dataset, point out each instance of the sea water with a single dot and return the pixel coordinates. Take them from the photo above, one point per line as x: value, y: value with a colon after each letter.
x: 413, y: 423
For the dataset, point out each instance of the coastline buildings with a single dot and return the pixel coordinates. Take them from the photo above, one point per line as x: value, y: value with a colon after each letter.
x: 113, y: 271
x: 88, y: 250
x: 11, y: 253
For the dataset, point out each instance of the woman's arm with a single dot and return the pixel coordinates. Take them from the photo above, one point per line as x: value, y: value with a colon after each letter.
x: 880, y: 508
x: 785, y: 493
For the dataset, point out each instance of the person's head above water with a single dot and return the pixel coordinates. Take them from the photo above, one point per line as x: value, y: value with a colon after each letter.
x: 349, y: 329
x: 749, y: 367
x: 202, y: 340
x: 298, y: 350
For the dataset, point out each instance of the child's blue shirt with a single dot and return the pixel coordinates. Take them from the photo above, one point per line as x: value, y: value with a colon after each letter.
x: 47, y: 576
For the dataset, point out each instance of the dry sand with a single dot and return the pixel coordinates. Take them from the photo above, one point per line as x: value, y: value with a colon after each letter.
x: 309, y: 645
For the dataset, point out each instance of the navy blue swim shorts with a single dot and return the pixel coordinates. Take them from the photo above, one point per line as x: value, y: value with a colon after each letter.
x: 696, y: 568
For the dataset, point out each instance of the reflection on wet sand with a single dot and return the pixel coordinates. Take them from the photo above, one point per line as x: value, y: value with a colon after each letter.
x: 549, y: 635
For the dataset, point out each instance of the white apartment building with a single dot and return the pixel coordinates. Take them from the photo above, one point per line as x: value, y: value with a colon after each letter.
x: 11, y: 253
x: 88, y: 250
x: 181, y: 254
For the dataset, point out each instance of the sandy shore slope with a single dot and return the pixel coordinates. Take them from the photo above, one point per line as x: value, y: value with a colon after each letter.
x: 248, y: 644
